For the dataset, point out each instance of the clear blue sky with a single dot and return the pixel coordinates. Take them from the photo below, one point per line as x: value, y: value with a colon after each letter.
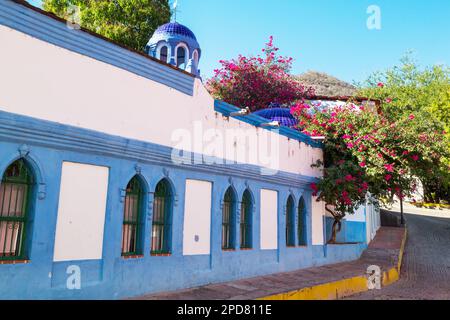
x: 323, y: 35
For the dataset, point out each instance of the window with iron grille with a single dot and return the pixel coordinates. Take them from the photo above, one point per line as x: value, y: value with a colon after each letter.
x: 162, y: 212
x: 228, y: 218
x: 246, y: 221
x: 132, y: 219
x: 290, y: 223
x: 302, y: 240
x: 15, y: 196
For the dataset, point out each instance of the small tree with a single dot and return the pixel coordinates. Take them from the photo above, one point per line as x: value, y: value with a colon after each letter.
x: 128, y: 22
x: 368, y: 155
x: 255, y: 82
x: 425, y: 92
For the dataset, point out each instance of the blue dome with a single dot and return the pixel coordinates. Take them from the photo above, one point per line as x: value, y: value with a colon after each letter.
x: 174, y: 28
x: 181, y: 48
x: 282, y: 115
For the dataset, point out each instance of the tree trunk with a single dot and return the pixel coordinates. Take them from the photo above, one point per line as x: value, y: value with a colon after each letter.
x: 337, y: 225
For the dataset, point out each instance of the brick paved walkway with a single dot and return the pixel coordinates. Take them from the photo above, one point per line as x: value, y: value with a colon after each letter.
x: 383, y: 252
x: 426, y: 264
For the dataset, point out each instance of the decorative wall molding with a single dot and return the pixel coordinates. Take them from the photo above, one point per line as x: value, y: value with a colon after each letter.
x: 138, y: 169
x: 20, y: 129
x: 24, y: 150
x: 225, y: 109
x: 42, y: 191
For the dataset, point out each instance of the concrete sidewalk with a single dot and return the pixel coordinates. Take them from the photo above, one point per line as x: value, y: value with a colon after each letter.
x: 325, y: 282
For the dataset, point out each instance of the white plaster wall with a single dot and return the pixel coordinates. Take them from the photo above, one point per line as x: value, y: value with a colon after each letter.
x: 81, y: 212
x: 358, y: 216
x: 197, y: 218
x: 373, y: 222
x: 318, y: 212
x: 44, y: 81
x: 269, y: 219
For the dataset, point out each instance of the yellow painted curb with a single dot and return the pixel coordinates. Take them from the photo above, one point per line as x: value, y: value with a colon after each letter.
x: 327, y: 291
x: 341, y: 288
x: 393, y: 275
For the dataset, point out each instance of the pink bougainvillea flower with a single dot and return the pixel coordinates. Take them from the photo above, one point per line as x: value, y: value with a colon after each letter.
x: 315, y: 189
x: 389, y: 167
x: 350, y: 145
x: 365, y: 185
x: 388, y: 100
x: 346, y: 137
x: 362, y: 164
x: 388, y: 177
x: 405, y: 153
x: 349, y: 178
x: 412, y: 117
x: 415, y: 157
x: 380, y: 84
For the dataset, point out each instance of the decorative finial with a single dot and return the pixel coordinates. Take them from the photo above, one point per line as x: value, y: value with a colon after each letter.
x: 174, y: 10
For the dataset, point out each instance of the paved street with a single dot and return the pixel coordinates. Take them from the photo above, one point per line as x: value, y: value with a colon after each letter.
x: 426, y: 268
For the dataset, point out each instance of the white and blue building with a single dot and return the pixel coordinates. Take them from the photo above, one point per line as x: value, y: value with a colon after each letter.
x: 122, y: 176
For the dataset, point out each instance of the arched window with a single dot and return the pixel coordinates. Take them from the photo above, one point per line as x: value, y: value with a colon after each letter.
x: 181, y: 56
x: 15, y: 204
x: 163, y: 53
x: 301, y: 228
x: 162, y: 217
x: 132, y: 237
x: 228, y: 220
x: 246, y: 221
x: 195, y: 57
x: 290, y: 222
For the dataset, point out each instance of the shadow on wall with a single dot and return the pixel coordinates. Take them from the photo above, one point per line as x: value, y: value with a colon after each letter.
x: 390, y: 219
x: 351, y: 232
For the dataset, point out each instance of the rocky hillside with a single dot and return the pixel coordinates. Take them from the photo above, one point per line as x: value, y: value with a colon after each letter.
x: 326, y: 85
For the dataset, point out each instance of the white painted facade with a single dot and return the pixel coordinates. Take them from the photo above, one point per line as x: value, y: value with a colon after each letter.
x: 80, y: 224
x: 318, y: 212
x: 65, y: 94
x: 269, y: 219
x: 197, y: 218
x: 373, y: 222
x: 63, y: 110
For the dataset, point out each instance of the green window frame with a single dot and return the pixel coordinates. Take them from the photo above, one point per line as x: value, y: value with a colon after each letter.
x: 132, y: 219
x: 290, y: 223
x: 228, y: 219
x: 301, y: 227
x: 15, y: 203
x: 246, y: 221
x: 162, y: 216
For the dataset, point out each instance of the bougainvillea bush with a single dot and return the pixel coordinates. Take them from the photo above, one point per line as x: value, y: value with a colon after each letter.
x: 368, y: 156
x: 425, y: 92
x: 256, y: 82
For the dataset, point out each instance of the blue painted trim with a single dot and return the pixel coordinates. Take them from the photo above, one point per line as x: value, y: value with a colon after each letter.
x: 351, y: 231
x: 21, y: 128
x: 40, y: 26
x: 113, y: 277
x: 255, y: 120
